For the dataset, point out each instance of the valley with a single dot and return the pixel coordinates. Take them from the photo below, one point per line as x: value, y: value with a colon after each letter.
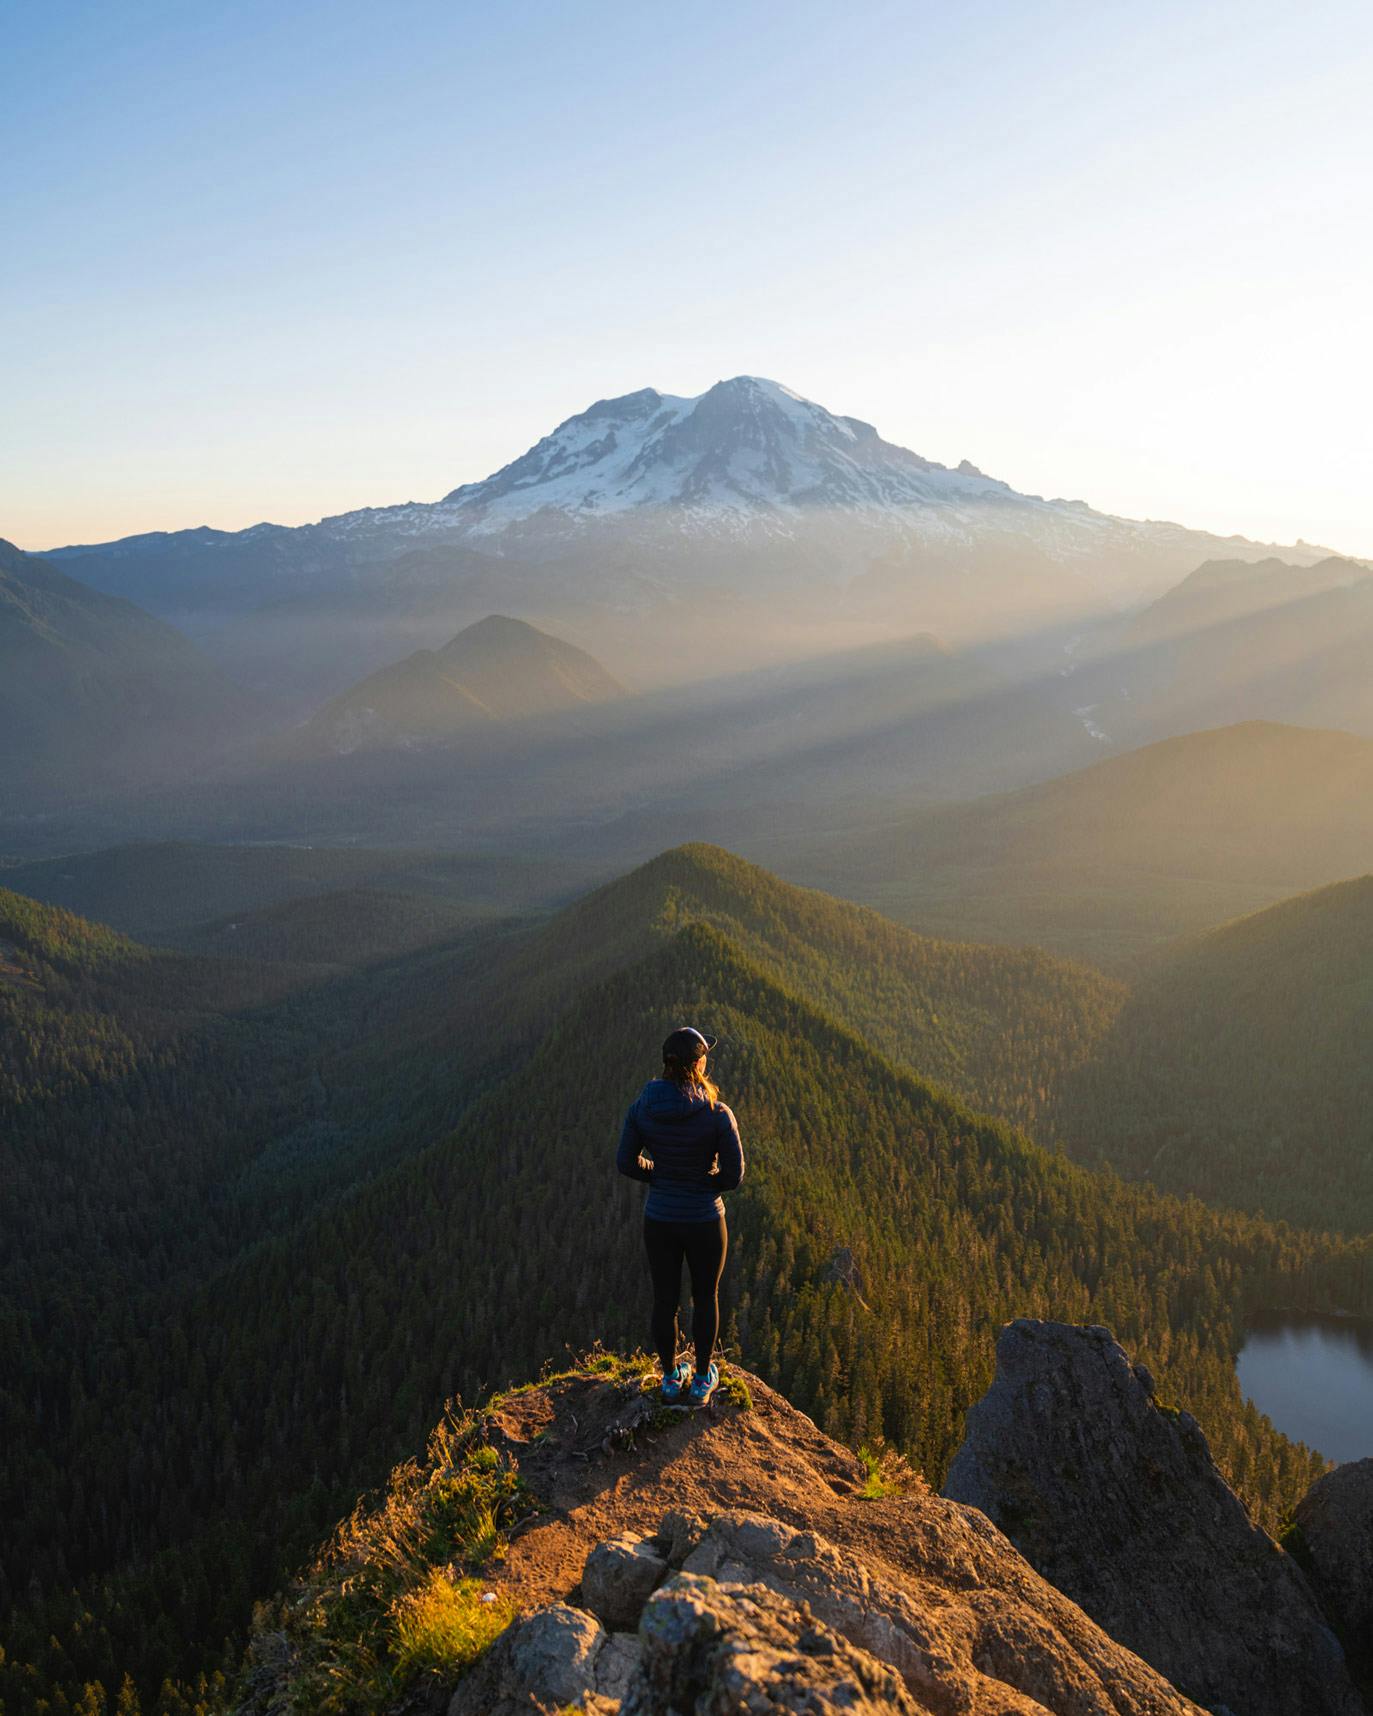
x: 349, y: 1185
x: 1018, y: 855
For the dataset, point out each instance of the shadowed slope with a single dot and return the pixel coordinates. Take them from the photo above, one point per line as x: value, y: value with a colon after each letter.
x: 1239, y: 1068
x: 95, y: 691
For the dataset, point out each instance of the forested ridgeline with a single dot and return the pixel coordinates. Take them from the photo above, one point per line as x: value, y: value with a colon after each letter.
x: 187, y: 893
x: 1241, y: 1068
x: 1000, y: 1026
x: 262, y: 1400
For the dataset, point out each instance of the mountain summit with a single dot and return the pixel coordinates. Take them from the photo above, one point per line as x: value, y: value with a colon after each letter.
x: 744, y: 446
x: 494, y: 671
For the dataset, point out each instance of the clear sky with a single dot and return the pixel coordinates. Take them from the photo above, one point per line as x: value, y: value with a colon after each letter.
x: 276, y: 260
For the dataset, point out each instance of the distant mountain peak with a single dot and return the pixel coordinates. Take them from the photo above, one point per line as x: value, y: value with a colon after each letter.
x: 498, y: 627
x: 496, y: 670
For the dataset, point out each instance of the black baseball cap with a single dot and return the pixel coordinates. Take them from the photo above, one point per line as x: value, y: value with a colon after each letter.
x: 686, y: 1043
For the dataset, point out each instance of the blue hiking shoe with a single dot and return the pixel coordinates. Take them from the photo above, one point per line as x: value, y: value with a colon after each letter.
x: 676, y: 1380
x: 702, y: 1387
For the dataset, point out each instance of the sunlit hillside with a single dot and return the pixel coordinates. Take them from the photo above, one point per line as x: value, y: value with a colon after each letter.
x: 1111, y: 861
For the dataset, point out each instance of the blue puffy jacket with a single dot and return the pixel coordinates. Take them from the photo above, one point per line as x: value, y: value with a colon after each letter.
x: 694, y: 1148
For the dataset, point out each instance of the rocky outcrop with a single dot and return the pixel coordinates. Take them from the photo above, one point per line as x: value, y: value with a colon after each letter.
x: 1114, y: 1499
x: 1335, y: 1522
x: 843, y: 1267
x: 744, y: 1607
x: 724, y: 1561
x: 619, y: 1577
x: 719, y: 1649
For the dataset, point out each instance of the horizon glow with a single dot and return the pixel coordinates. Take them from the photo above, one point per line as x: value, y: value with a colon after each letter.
x: 289, y: 262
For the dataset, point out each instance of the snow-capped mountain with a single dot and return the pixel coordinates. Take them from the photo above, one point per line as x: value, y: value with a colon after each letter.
x: 744, y: 448
x: 750, y: 452
x: 789, y: 520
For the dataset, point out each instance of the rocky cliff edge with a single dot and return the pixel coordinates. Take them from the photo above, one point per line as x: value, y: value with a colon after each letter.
x: 663, y: 1561
x: 1113, y: 1496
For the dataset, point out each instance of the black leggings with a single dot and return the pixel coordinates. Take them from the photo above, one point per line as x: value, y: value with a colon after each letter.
x: 703, y: 1245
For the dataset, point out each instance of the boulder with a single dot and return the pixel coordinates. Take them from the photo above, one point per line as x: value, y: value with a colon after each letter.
x: 553, y: 1652
x: 719, y: 1649
x: 615, y: 1666
x: 1335, y: 1519
x: 1116, y: 1500
x: 679, y: 1533
x: 555, y: 1658
x: 619, y: 1577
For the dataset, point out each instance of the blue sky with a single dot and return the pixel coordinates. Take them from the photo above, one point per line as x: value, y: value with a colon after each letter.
x: 275, y: 261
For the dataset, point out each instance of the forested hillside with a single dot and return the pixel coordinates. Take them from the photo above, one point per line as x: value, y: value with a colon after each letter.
x: 200, y: 1433
x: 1241, y: 1066
x: 998, y: 1026
x: 159, y: 1114
x: 95, y: 693
x: 174, y: 892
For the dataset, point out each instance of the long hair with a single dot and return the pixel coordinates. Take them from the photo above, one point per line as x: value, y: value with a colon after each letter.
x: 683, y: 1075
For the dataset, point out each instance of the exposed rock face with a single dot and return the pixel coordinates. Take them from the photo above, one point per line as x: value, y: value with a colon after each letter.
x: 762, y: 1616
x: 555, y: 1657
x: 1117, y: 1502
x: 553, y: 1652
x: 718, y: 1649
x: 1336, y: 1520
x: 728, y: 1561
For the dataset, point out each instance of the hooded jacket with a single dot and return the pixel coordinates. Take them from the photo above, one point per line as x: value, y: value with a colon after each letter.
x: 694, y: 1148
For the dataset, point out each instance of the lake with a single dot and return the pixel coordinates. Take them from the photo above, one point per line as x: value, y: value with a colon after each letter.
x: 1313, y: 1376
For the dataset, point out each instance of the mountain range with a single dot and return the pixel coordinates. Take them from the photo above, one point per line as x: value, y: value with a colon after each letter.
x: 308, y: 1102
x: 1235, y: 639
x: 779, y: 526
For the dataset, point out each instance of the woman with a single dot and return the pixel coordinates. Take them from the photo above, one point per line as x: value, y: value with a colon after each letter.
x: 683, y: 1140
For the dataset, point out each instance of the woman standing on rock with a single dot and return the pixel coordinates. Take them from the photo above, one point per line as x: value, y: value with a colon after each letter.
x: 683, y: 1140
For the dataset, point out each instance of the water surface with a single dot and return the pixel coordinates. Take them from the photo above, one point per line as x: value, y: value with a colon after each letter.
x: 1313, y: 1376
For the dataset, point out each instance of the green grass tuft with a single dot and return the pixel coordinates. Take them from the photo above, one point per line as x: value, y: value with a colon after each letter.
x: 735, y: 1390
x: 443, y: 1625
x: 889, y: 1473
x: 392, y: 1600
